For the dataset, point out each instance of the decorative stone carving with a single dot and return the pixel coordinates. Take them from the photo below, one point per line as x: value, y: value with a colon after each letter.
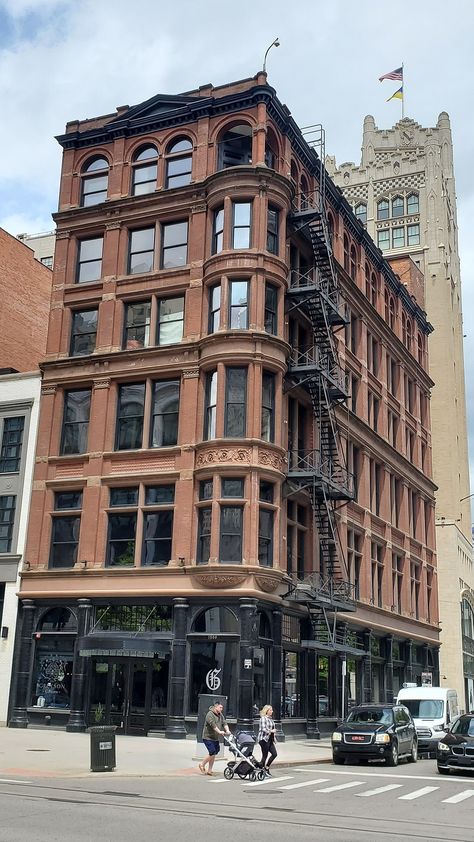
x: 271, y: 460
x: 49, y: 389
x: 190, y: 373
x: 268, y: 584
x: 231, y: 454
x: 221, y: 580
x: 102, y: 384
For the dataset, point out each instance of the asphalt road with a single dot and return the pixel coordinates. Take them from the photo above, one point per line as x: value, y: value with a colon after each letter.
x: 318, y: 803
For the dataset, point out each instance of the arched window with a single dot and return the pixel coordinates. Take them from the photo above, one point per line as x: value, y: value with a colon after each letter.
x: 409, y: 334
x: 420, y: 348
x: 58, y: 619
x: 391, y: 312
x: 264, y: 629
x: 331, y: 230
x: 353, y: 271
x: 216, y: 620
x: 404, y: 328
x: 361, y: 212
x: 95, y: 181
x: 346, y: 253
x: 304, y: 193
x: 144, y: 170
x: 271, y: 153
x: 413, y: 203
x: 179, y: 162
x: 386, y: 297
x: 373, y: 289
x: 367, y: 281
x: 294, y: 172
x: 235, y: 147
x: 382, y: 209
x: 398, y: 206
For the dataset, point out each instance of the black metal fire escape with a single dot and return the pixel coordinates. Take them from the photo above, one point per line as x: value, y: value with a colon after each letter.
x: 320, y: 472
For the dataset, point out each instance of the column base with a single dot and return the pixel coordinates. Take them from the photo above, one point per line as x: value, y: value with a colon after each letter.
x: 279, y: 733
x: 312, y: 730
x: 176, y: 730
x: 19, y: 719
x: 77, y: 723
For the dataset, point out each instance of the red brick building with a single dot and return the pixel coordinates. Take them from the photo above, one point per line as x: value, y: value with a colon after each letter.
x: 190, y: 526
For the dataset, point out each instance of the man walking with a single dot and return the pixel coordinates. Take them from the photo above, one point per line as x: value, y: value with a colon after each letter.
x: 215, y: 726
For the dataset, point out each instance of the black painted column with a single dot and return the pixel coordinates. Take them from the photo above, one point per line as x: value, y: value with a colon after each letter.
x: 436, y: 676
x: 409, y: 660
x: 389, y: 669
x: 77, y: 718
x: 248, y: 609
x: 277, y: 673
x: 367, y: 668
x: 19, y: 717
x: 176, y: 726
x: 312, y: 729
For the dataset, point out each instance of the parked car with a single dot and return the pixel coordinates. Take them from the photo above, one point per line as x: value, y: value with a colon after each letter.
x: 456, y: 749
x: 432, y: 709
x: 376, y: 732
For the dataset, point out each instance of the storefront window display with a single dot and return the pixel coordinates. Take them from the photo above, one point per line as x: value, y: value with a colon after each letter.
x: 323, y: 686
x: 213, y: 669
x: 52, y: 672
x: 261, y: 676
x: 294, y: 699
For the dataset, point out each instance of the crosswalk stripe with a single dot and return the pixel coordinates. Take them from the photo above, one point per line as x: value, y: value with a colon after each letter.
x: 461, y: 796
x: 417, y: 793
x: 341, y: 786
x: 378, y: 790
x: 270, y: 780
x: 219, y: 781
x: 305, y: 783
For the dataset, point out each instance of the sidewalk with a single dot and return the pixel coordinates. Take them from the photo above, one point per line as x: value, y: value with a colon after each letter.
x: 33, y: 753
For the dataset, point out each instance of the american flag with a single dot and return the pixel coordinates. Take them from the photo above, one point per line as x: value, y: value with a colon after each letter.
x: 397, y: 75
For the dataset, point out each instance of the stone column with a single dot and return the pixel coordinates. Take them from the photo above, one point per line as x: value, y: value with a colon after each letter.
x: 248, y: 609
x: 277, y: 673
x: 367, y: 668
x: 409, y: 660
x: 389, y: 669
x: 176, y: 726
x: 77, y: 718
x: 312, y: 729
x: 19, y: 718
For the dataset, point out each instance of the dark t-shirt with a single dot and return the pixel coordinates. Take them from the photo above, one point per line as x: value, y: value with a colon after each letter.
x: 212, y: 721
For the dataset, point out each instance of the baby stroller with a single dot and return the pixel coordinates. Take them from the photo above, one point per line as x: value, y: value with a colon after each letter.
x: 245, y: 765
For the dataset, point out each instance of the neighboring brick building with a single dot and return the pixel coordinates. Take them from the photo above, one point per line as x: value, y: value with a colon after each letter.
x: 25, y: 290
x: 189, y: 528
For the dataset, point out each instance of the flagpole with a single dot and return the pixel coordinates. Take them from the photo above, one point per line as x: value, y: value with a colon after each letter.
x: 403, y: 92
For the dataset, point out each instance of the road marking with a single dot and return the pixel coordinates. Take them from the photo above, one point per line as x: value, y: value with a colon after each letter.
x: 305, y: 783
x: 461, y: 796
x: 417, y: 793
x: 380, y: 789
x: 11, y: 781
x: 380, y: 775
x: 341, y: 786
x: 220, y: 781
x: 269, y: 780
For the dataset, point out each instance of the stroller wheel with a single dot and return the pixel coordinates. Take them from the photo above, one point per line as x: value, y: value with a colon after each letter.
x: 228, y: 773
x: 261, y: 775
x: 253, y: 776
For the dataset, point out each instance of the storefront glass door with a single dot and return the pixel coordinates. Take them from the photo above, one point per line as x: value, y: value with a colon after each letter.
x: 129, y: 694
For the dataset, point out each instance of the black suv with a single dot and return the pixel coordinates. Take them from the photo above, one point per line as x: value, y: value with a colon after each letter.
x: 376, y: 732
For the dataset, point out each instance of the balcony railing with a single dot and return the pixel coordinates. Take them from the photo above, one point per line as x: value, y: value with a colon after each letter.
x: 306, y: 463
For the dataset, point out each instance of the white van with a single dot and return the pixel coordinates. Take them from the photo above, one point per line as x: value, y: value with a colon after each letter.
x: 433, y: 709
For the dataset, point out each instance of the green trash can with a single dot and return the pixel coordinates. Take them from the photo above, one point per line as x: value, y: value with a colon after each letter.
x: 102, y: 748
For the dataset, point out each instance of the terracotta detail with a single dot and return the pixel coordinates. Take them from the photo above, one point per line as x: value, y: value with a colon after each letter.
x: 212, y: 457
x: 221, y: 580
x: 268, y: 584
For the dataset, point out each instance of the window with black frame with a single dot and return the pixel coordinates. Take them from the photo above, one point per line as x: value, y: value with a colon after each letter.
x: 268, y: 406
x: 235, y: 420
x: 271, y: 309
x: 214, y: 308
x: 218, y: 231
x: 210, y: 406
x: 238, y: 305
x: 266, y: 523
x: 83, y: 332
x: 130, y: 412
x: 165, y: 413
x: 122, y: 527
x: 273, y: 220
x: 11, y: 444
x: 65, y: 528
x: 7, y: 521
x: 76, y: 413
x: 137, y: 325
x: 157, y: 525
x: 230, y: 538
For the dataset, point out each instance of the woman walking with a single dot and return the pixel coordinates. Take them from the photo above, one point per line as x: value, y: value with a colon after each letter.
x: 266, y: 738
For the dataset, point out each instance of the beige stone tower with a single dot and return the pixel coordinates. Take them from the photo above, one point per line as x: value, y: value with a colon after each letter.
x: 404, y: 193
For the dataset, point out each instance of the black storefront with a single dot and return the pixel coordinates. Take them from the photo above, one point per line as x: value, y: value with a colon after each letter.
x: 142, y: 666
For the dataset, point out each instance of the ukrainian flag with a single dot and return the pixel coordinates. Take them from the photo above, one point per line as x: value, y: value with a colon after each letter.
x: 397, y: 95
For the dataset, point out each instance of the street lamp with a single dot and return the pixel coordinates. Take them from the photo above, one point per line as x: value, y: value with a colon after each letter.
x: 274, y: 43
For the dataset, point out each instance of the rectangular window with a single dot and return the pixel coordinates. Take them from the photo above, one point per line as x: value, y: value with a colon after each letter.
x: 235, y: 425
x: 83, y: 333
x: 266, y: 491
x: 230, y: 544
x: 271, y: 309
x: 241, y: 225
x: 137, y: 325
x: 398, y: 238
x: 383, y: 239
x: 65, y: 529
x: 77, y: 407
x: 413, y: 232
x: 377, y: 574
x: 354, y: 392
x: 157, y: 538
x: 373, y: 355
x: 206, y: 489
x: 373, y: 406
x: 121, y: 540
x: 89, y: 260
x: 174, y: 249
x: 238, y: 305
x: 218, y: 231
x: 170, y: 320
x: 141, y: 251
x: 7, y: 519
x: 268, y: 406
x: 354, y: 560
x: 210, y: 405
x: 214, y: 308
x: 232, y: 487
x: 272, y: 230
x: 164, y: 413
x: 397, y: 582
x: 266, y: 518
x: 131, y: 404
x: 12, y: 442
x: 204, y: 535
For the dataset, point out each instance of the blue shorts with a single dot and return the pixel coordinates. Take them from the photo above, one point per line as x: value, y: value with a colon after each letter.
x: 212, y: 746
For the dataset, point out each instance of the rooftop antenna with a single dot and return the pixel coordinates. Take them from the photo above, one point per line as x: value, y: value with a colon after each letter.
x: 275, y: 43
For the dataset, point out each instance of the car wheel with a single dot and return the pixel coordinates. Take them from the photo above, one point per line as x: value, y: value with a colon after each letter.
x: 443, y: 770
x: 413, y: 756
x: 339, y: 761
x: 392, y: 759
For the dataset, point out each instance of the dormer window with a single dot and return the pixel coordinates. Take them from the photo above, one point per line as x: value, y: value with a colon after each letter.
x: 179, y: 162
x: 144, y: 172
x: 95, y: 181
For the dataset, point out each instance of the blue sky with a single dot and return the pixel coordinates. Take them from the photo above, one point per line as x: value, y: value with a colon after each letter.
x: 66, y: 59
